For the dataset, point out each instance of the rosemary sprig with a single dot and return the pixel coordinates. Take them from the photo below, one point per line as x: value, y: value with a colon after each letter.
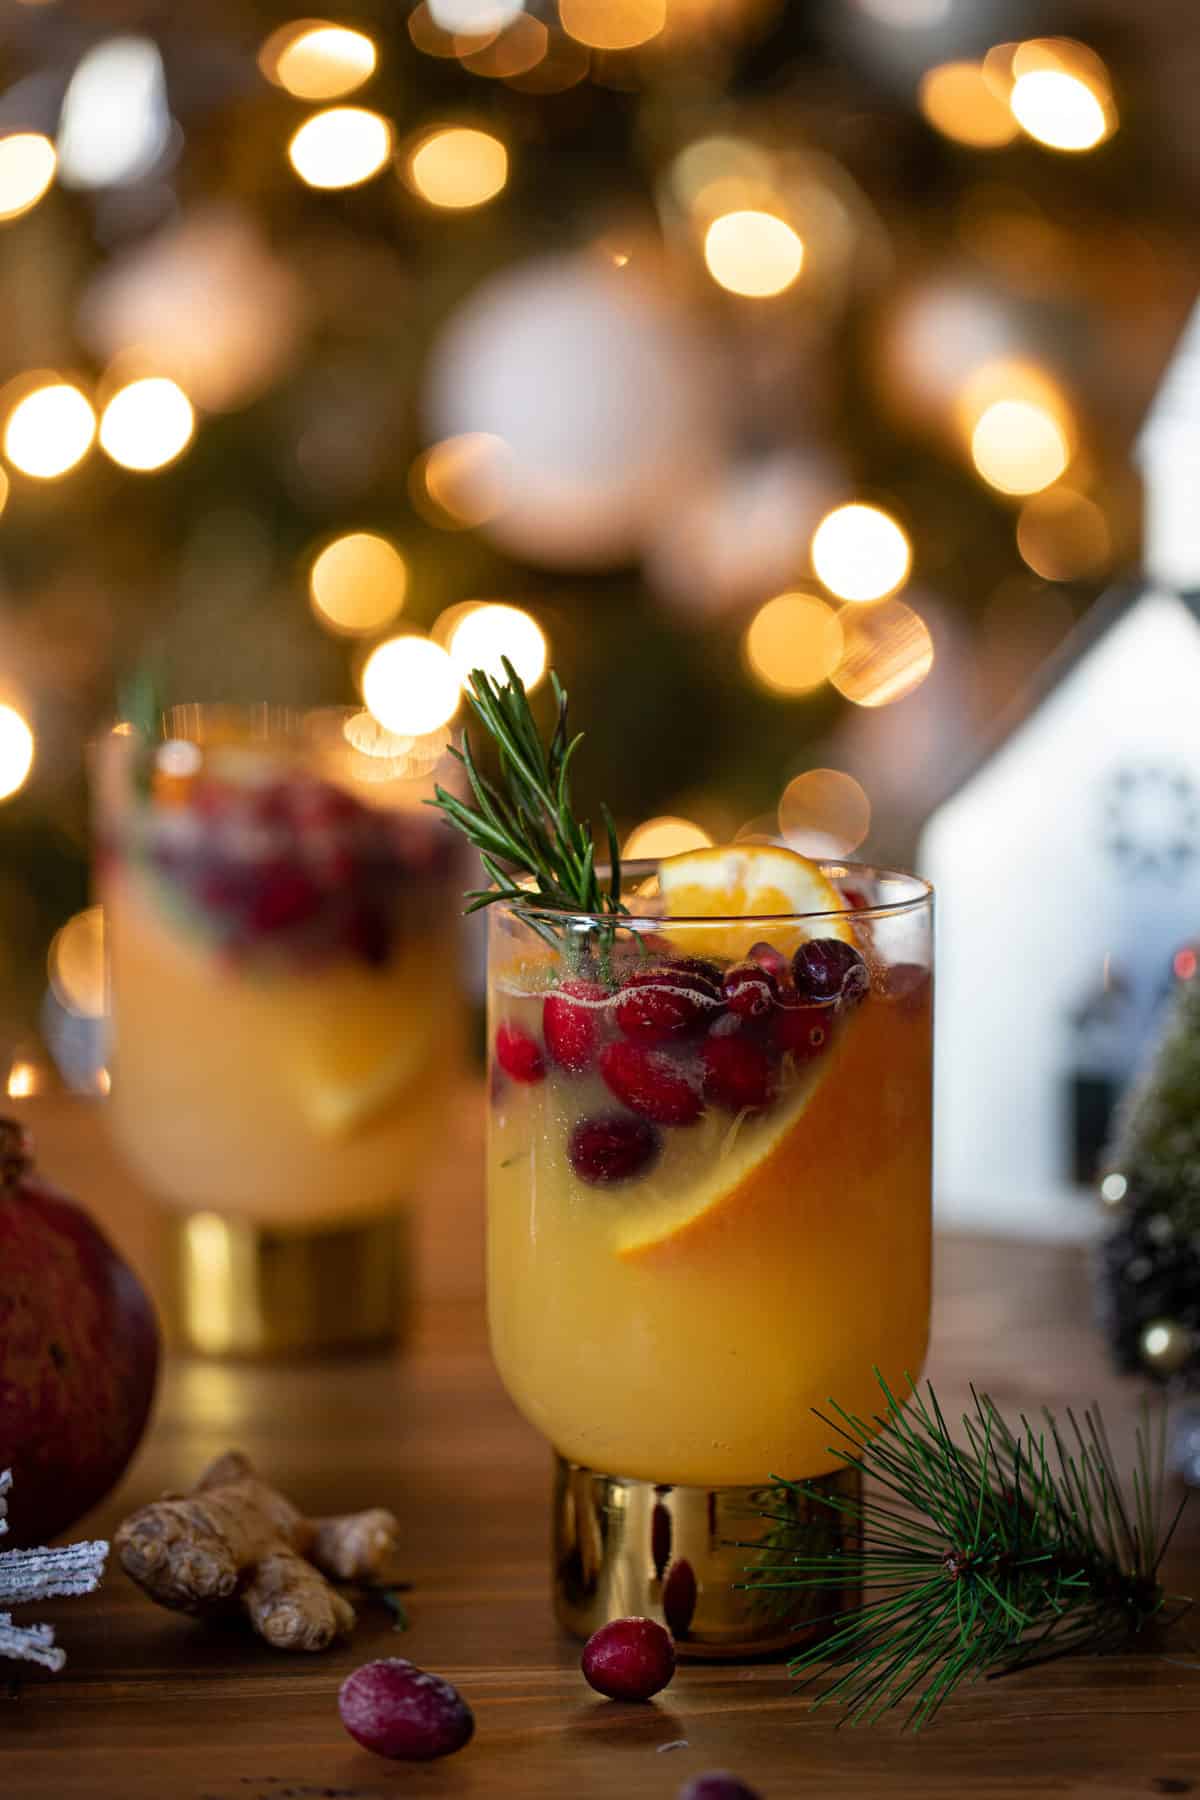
x: 979, y: 1557
x: 533, y: 847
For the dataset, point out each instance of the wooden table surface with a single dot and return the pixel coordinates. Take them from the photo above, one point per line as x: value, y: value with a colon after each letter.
x: 155, y: 1707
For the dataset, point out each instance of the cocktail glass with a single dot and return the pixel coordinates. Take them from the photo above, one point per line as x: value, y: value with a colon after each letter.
x: 708, y: 1214
x: 286, y: 1020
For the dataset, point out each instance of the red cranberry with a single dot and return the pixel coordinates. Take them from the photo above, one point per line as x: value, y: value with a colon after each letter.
x: 738, y: 1072
x: 801, y: 1029
x: 650, y: 1083
x: 629, y: 1659
x: 828, y: 969
x: 519, y: 1054
x: 612, y: 1148
x: 770, y: 959
x: 397, y: 1710
x: 656, y: 1005
x: 282, y: 896
x: 367, y: 933
x: 907, y: 983
x: 717, y: 1784
x: 571, y: 1020
x: 679, y: 1598
x: 750, y: 990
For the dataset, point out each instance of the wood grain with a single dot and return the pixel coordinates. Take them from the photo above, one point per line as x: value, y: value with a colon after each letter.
x: 154, y: 1707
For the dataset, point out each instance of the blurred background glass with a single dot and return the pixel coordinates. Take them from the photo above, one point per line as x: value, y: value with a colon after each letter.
x: 772, y: 370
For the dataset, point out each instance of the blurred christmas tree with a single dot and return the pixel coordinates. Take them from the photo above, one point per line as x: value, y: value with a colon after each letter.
x: 316, y: 332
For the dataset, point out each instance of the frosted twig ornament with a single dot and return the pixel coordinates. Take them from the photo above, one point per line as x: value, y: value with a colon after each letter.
x: 27, y: 1575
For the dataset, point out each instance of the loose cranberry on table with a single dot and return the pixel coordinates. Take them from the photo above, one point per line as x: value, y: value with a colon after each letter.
x: 519, y: 1054
x: 629, y: 1659
x: 717, y: 1784
x: 397, y: 1710
x: 651, y: 1083
x: 612, y: 1148
x: 739, y: 1074
x: 828, y: 969
x: 571, y: 1020
x: 660, y: 1004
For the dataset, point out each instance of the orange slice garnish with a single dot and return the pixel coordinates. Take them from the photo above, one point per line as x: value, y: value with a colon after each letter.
x: 757, y: 882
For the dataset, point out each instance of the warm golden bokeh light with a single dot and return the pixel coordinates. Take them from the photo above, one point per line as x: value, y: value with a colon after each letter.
x: 860, y: 553
x: 465, y: 477
x: 27, y: 164
x: 357, y: 583
x: 4, y: 486
x: 147, y: 424
x: 958, y: 100
x: 23, y: 1079
x: 519, y: 48
x: 1019, y: 446
x: 824, y: 812
x: 1063, y: 536
x: 49, y: 431
x: 410, y: 685
x: 317, y: 61
x: 612, y: 24
x: 75, y: 964
x: 753, y: 253
x: 458, y: 168
x: 340, y: 147
x: 381, y: 755
x: 487, y: 633
x: 16, y: 751
x: 665, y: 835
x: 793, y: 643
x: 888, y: 653
x: 1060, y: 109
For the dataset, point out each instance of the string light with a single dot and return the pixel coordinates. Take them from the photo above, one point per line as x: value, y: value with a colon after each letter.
x: 147, y: 424
x: 1019, y: 447
x: 1059, y: 109
x: 1063, y: 536
x: 357, y: 583
x: 958, y: 100
x: 860, y: 553
x: 49, y: 430
x: 753, y: 253
x: 318, y: 61
x: 27, y: 164
x: 1113, y: 1189
x: 458, y: 168
x: 16, y: 752
x: 75, y: 964
x: 824, y: 812
x: 793, y: 643
x: 665, y: 835
x: 488, y: 633
x: 612, y: 24
x: 888, y: 653
x: 410, y: 685
x: 340, y: 147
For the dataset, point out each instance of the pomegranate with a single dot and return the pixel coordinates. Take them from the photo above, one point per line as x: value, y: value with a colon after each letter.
x: 79, y: 1352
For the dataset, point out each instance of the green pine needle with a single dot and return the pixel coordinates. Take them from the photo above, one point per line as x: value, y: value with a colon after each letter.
x: 534, y: 850
x: 978, y: 1557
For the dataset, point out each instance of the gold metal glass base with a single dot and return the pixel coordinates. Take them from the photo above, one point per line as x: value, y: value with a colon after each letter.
x: 240, y: 1289
x: 683, y: 1555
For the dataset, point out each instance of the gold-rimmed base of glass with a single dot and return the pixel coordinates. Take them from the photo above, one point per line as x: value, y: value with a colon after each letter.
x: 691, y: 1557
x: 240, y: 1289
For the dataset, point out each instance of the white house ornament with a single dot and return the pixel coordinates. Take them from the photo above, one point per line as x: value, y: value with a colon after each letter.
x: 27, y: 1576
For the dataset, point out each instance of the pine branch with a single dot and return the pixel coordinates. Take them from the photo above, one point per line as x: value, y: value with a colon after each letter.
x: 1018, y: 1545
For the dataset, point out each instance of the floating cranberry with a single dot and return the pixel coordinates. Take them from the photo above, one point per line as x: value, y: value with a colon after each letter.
x: 519, y: 1054
x: 656, y: 1005
x: 801, y: 1029
x: 629, y: 1659
x: 571, y: 1020
x: 717, y: 1784
x: 397, y: 1710
x: 283, y: 896
x: 769, y: 958
x: 612, y: 1148
x: 368, y: 933
x: 828, y: 969
x: 651, y: 1083
x: 750, y: 989
x: 738, y: 1072
x: 908, y: 983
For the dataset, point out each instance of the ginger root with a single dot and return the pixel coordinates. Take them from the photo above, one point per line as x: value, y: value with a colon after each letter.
x: 234, y: 1543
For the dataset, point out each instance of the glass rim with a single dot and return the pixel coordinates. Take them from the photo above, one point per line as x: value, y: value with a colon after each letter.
x: 642, y: 867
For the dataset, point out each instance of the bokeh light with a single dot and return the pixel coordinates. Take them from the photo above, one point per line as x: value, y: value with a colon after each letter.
x: 887, y: 655
x: 27, y: 164
x: 75, y: 964
x: 612, y: 24
x: 458, y: 168
x: 1059, y: 109
x: 340, y: 147
x: 317, y: 61
x: 753, y: 253
x: 517, y: 50
x: 958, y: 100
x: 485, y: 634
x: 665, y: 835
x: 1019, y: 447
x: 24, y: 1079
x: 793, y: 643
x: 860, y: 553
x: 16, y: 751
x: 49, y: 430
x: 357, y: 583
x: 824, y: 812
x: 462, y: 481
x: 4, y: 487
x: 479, y: 18
x: 380, y: 755
x: 1063, y: 536
x: 147, y: 423
x: 410, y: 685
